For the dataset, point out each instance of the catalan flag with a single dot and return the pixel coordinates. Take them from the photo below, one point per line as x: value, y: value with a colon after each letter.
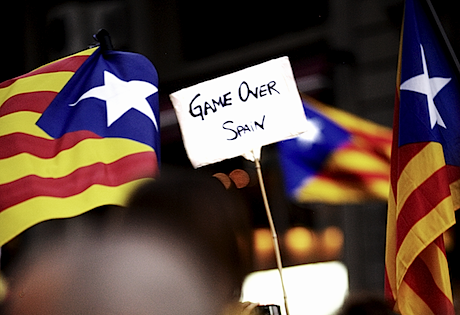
x: 425, y: 171
x: 76, y: 134
x: 340, y: 159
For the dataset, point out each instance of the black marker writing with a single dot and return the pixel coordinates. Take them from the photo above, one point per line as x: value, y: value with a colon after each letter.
x: 240, y: 130
x: 201, y: 110
x: 245, y: 92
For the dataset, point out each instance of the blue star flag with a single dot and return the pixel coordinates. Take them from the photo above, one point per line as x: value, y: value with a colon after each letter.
x: 303, y: 157
x: 112, y: 75
x: 436, y: 96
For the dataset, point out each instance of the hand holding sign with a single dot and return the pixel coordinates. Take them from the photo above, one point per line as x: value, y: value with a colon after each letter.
x: 239, y: 113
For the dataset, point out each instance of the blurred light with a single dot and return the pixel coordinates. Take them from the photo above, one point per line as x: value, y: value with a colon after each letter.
x: 224, y: 179
x: 332, y: 241
x: 263, y: 241
x: 299, y: 240
x: 314, y: 289
x: 240, y: 178
x: 449, y: 242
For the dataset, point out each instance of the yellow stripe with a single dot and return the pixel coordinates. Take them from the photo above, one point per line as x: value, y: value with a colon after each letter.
x: 390, y: 249
x: 421, y: 167
x: 436, y: 261
x: 320, y: 190
x: 326, y: 190
x: 53, y: 82
x: 424, y: 232
x: 18, y: 218
x: 455, y: 191
x: 379, y: 188
x: 4, y: 288
x: 41, y: 82
x: 86, y: 52
x: 24, y: 122
x: 358, y: 162
x: 85, y: 153
x: 409, y: 303
x: 350, y: 121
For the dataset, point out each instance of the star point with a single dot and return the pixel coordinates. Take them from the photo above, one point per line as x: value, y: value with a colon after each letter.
x: 423, y: 84
x: 120, y: 96
x: 311, y: 135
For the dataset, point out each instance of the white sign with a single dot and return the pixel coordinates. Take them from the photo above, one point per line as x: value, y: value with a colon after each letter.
x: 238, y: 113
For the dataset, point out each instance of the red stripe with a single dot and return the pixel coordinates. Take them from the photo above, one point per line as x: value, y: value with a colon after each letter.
x: 35, y: 102
x: 17, y: 143
x: 420, y: 202
x: 71, y: 64
x: 356, y: 174
x: 357, y: 144
x: 372, y: 150
x: 372, y: 139
x: 389, y: 296
x: 439, y: 242
x: 400, y: 157
x: 348, y: 179
x: 420, y: 280
x: 406, y: 153
x: 453, y: 173
x: 394, y: 159
x: 126, y: 169
x: 372, y: 153
x: 354, y: 177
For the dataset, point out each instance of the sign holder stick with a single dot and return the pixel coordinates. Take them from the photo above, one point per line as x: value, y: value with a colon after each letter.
x: 273, y: 231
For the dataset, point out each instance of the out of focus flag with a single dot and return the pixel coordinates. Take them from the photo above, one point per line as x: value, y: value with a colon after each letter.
x: 341, y: 158
x: 425, y: 171
x: 76, y: 134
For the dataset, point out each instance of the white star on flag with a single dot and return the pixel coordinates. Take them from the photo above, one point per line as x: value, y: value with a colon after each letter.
x: 311, y: 135
x: 423, y: 84
x: 120, y: 96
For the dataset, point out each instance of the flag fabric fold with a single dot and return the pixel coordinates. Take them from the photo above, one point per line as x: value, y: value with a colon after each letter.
x: 425, y: 171
x: 76, y: 134
x: 340, y: 159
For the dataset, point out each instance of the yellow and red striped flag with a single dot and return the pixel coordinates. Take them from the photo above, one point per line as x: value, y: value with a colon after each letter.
x: 425, y: 172
x: 75, y: 134
x: 340, y: 159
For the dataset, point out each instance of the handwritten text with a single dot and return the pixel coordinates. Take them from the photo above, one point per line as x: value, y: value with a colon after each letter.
x: 240, y: 130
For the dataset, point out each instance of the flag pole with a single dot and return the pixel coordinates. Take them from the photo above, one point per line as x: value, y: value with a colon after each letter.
x: 444, y: 35
x: 273, y: 230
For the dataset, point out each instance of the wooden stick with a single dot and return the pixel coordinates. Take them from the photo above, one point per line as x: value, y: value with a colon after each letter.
x: 273, y: 231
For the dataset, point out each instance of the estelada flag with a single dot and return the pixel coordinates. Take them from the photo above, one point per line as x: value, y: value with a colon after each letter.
x: 340, y: 159
x: 425, y: 171
x: 75, y: 134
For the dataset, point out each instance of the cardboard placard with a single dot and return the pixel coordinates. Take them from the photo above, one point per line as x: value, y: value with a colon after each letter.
x: 238, y: 113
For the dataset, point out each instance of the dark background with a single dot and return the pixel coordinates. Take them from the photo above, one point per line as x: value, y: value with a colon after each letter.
x: 343, y: 53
